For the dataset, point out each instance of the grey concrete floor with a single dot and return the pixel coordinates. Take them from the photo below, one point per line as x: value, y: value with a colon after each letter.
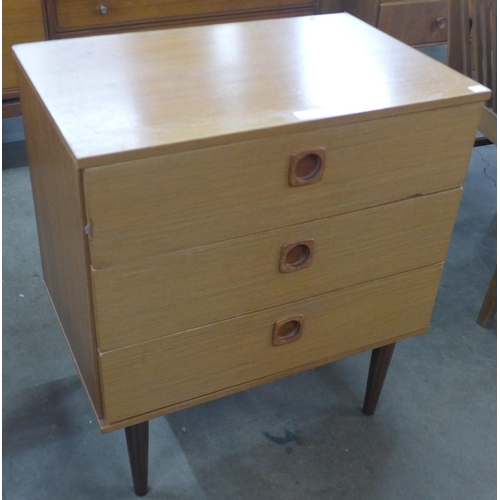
x: 304, y: 437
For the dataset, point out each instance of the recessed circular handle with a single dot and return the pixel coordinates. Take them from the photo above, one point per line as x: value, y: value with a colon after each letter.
x: 103, y: 9
x: 441, y: 22
x: 306, y: 167
x: 288, y: 330
x: 296, y: 255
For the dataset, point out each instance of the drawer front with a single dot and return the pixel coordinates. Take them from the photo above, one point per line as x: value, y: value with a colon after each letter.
x: 182, y: 290
x: 415, y: 23
x: 73, y: 14
x: 159, y: 205
x: 177, y: 368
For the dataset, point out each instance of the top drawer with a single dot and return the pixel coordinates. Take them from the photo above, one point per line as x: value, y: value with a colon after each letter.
x: 159, y: 205
x: 77, y: 14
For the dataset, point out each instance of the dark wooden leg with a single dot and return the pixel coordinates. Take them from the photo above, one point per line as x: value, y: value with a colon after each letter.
x: 489, y: 306
x: 138, y: 447
x: 379, y: 364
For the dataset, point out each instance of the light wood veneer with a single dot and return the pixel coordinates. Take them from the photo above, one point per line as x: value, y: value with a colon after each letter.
x: 163, y: 199
x: 130, y: 105
x: 210, y: 283
x: 161, y: 373
x: 151, y: 198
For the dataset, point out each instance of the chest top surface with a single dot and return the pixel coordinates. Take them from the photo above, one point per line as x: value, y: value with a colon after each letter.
x: 127, y: 96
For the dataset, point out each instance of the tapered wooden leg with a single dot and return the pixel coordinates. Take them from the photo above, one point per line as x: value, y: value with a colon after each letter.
x: 489, y: 306
x: 138, y: 448
x: 379, y: 364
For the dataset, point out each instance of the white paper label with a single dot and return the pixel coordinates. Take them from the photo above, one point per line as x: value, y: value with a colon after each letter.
x: 478, y: 88
x: 312, y: 114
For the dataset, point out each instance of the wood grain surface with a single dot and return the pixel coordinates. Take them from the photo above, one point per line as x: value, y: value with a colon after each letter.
x: 148, y: 299
x: 198, y: 362
x: 128, y: 96
x: 60, y: 220
x: 177, y: 220
x: 174, y: 202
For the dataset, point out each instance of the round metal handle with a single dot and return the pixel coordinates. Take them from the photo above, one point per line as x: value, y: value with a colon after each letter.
x: 103, y: 9
x: 441, y: 22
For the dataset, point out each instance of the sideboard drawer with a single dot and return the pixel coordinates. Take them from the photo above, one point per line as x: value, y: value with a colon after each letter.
x: 225, y: 192
x: 151, y: 298
x: 415, y: 23
x: 88, y: 13
x: 194, y: 363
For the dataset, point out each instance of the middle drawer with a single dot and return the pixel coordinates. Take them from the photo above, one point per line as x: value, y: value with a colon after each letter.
x: 195, y: 287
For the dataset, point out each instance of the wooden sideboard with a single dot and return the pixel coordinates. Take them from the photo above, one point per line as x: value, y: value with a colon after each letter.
x: 414, y: 22
x: 235, y: 209
x: 23, y: 21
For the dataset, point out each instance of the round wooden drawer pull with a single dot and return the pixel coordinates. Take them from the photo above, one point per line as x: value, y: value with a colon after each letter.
x: 306, y: 167
x: 288, y: 329
x: 297, y: 255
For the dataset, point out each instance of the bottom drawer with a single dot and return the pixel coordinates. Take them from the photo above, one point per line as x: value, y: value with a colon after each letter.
x: 174, y: 369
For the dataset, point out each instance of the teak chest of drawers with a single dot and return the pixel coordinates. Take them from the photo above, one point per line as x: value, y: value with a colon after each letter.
x: 281, y: 196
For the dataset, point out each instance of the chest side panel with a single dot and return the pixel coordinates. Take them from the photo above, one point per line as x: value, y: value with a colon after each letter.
x: 60, y: 220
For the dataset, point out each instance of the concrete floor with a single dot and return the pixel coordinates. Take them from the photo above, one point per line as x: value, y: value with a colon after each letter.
x: 304, y: 437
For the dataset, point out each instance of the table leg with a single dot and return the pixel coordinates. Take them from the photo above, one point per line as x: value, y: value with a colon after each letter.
x: 489, y: 306
x: 379, y: 364
x: 138, y: 447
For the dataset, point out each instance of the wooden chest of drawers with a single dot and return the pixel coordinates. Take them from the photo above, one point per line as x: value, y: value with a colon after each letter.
x: 281, y: 196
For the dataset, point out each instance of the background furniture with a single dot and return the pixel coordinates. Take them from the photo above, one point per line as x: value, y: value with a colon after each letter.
x: 415, y: 22
x: 258, y: 226
x: 23, y: 21
x: 472, y: 50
